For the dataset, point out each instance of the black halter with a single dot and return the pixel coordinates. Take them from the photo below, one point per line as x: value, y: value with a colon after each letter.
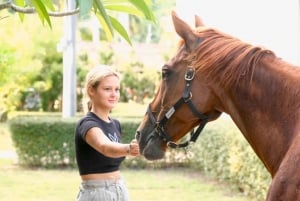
x: 186, y: 98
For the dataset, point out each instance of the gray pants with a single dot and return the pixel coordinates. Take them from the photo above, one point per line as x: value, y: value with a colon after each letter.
x: 103, y: 190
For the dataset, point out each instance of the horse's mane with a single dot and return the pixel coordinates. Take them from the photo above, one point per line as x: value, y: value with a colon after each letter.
x: 226, y: 59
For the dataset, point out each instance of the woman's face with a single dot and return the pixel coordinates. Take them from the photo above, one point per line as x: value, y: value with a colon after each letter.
x: 107, y: 94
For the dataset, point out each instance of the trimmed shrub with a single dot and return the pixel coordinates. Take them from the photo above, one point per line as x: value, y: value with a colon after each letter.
x: 223, y: 153
x: 43, y: 141
x: 48, y: 141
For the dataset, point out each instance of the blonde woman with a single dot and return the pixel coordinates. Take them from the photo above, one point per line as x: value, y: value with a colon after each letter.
x: 99, y: 151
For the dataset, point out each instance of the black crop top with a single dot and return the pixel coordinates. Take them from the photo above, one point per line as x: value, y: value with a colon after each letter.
x: 89, y: 160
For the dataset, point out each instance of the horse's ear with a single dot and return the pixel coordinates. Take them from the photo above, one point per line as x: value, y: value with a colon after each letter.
x: 198, y: 21
x: 185, y: 32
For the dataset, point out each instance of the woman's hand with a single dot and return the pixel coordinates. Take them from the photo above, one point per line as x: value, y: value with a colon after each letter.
x: 134, y: 149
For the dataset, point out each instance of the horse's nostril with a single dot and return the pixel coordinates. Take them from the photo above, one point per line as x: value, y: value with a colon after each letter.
x: 138, y: 135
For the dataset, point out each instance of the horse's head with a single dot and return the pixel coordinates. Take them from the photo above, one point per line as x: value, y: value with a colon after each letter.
x: 183, y: 101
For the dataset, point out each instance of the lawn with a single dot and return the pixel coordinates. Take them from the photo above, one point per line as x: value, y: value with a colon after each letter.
x: 19, y: 184
x: 25, y: 184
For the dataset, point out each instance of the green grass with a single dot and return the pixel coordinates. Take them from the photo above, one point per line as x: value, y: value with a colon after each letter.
x: 176, y: 185
x: 35, y: 185
x: 144, y: 185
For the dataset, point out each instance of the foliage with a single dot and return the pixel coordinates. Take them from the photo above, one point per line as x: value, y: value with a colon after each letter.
x: 101, y: 8
x: 138, y: 82
x: 25, y: 54
x: 148, y: 32
x: 138, y: 8
x: 223, y: 153
x: 6, y: 62
x: 17, y: 79
x: 49, y: 80
x: 44, y: 141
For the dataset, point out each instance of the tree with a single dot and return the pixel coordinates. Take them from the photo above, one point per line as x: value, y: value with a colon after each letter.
x: 101, y: 8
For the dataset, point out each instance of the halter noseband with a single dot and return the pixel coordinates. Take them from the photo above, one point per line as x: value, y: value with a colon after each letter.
x: 186, y: 98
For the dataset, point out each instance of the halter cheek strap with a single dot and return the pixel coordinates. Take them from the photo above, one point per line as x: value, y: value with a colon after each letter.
x: 187, y: 99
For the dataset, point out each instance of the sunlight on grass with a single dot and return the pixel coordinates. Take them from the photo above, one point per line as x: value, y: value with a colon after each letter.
x: 175, y: 185
x: 144, y: 185
x: 35, y: 185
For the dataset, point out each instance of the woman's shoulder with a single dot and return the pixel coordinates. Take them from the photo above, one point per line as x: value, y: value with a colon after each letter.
x: 88, y: 117
x: 115, y: 120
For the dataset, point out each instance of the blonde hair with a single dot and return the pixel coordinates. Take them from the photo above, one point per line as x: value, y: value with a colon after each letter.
x: 93, y: 79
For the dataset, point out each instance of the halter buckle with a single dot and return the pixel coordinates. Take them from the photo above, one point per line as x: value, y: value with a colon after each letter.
x: 186, y: 99
x: 172, y: 145
x: 189, y: 74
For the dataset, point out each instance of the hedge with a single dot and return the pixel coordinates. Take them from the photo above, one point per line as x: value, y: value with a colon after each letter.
x: 49, y: 141
x: 223, y: 153
x: 43, y: 141
x: 221, y: 150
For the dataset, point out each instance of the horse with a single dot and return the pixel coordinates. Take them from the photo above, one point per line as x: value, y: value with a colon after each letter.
x: 213, y: 73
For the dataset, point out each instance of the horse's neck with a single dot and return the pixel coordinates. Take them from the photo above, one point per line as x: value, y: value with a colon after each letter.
x: 267, y: 110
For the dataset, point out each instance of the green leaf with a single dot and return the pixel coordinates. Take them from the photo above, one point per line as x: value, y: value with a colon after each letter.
x: 142, y: 6
x: 85, y: 7
x: 42, y: 11
x: 105, y: 21
x: 138, y: 8
x: 109, y: 24
x: 20, y: 3
x: 125, y: 9
x: 120, y: 29
x: 105, y: 27
x: 49, y: 4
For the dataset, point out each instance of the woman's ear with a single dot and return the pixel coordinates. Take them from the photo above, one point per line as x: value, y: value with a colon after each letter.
x: 91, y: 90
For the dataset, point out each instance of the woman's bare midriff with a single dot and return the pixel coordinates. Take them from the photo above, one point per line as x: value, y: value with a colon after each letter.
x: 102, y: 176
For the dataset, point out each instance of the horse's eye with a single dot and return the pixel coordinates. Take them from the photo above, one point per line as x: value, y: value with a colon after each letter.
x: 164, y: 74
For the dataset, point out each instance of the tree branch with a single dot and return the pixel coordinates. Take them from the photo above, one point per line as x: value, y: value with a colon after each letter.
x: 31, y: 10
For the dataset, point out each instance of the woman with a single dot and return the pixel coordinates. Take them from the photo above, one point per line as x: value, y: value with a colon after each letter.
x: 99, y: 151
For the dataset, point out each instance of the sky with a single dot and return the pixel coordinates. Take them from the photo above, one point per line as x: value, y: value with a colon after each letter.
x: 273, y: 24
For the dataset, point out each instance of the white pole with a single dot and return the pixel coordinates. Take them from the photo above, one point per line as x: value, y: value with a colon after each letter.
x: 69, y: 64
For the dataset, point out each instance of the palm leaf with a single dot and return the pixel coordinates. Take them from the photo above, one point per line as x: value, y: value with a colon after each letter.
x: 42, y: 11
x: 20, y: 3
x: 104, y: 17
x: 48, y: 4
x: 134, y: 7
x: 120, y: 29
x: 106, y: 29
x: 85, y: 7
x: 142, y: 6
x: 125, y: 9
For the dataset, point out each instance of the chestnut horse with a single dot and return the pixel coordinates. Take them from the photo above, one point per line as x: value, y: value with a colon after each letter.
x: 212, y: 73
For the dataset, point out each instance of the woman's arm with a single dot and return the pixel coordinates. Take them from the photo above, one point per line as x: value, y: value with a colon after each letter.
x: 100, y: 142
